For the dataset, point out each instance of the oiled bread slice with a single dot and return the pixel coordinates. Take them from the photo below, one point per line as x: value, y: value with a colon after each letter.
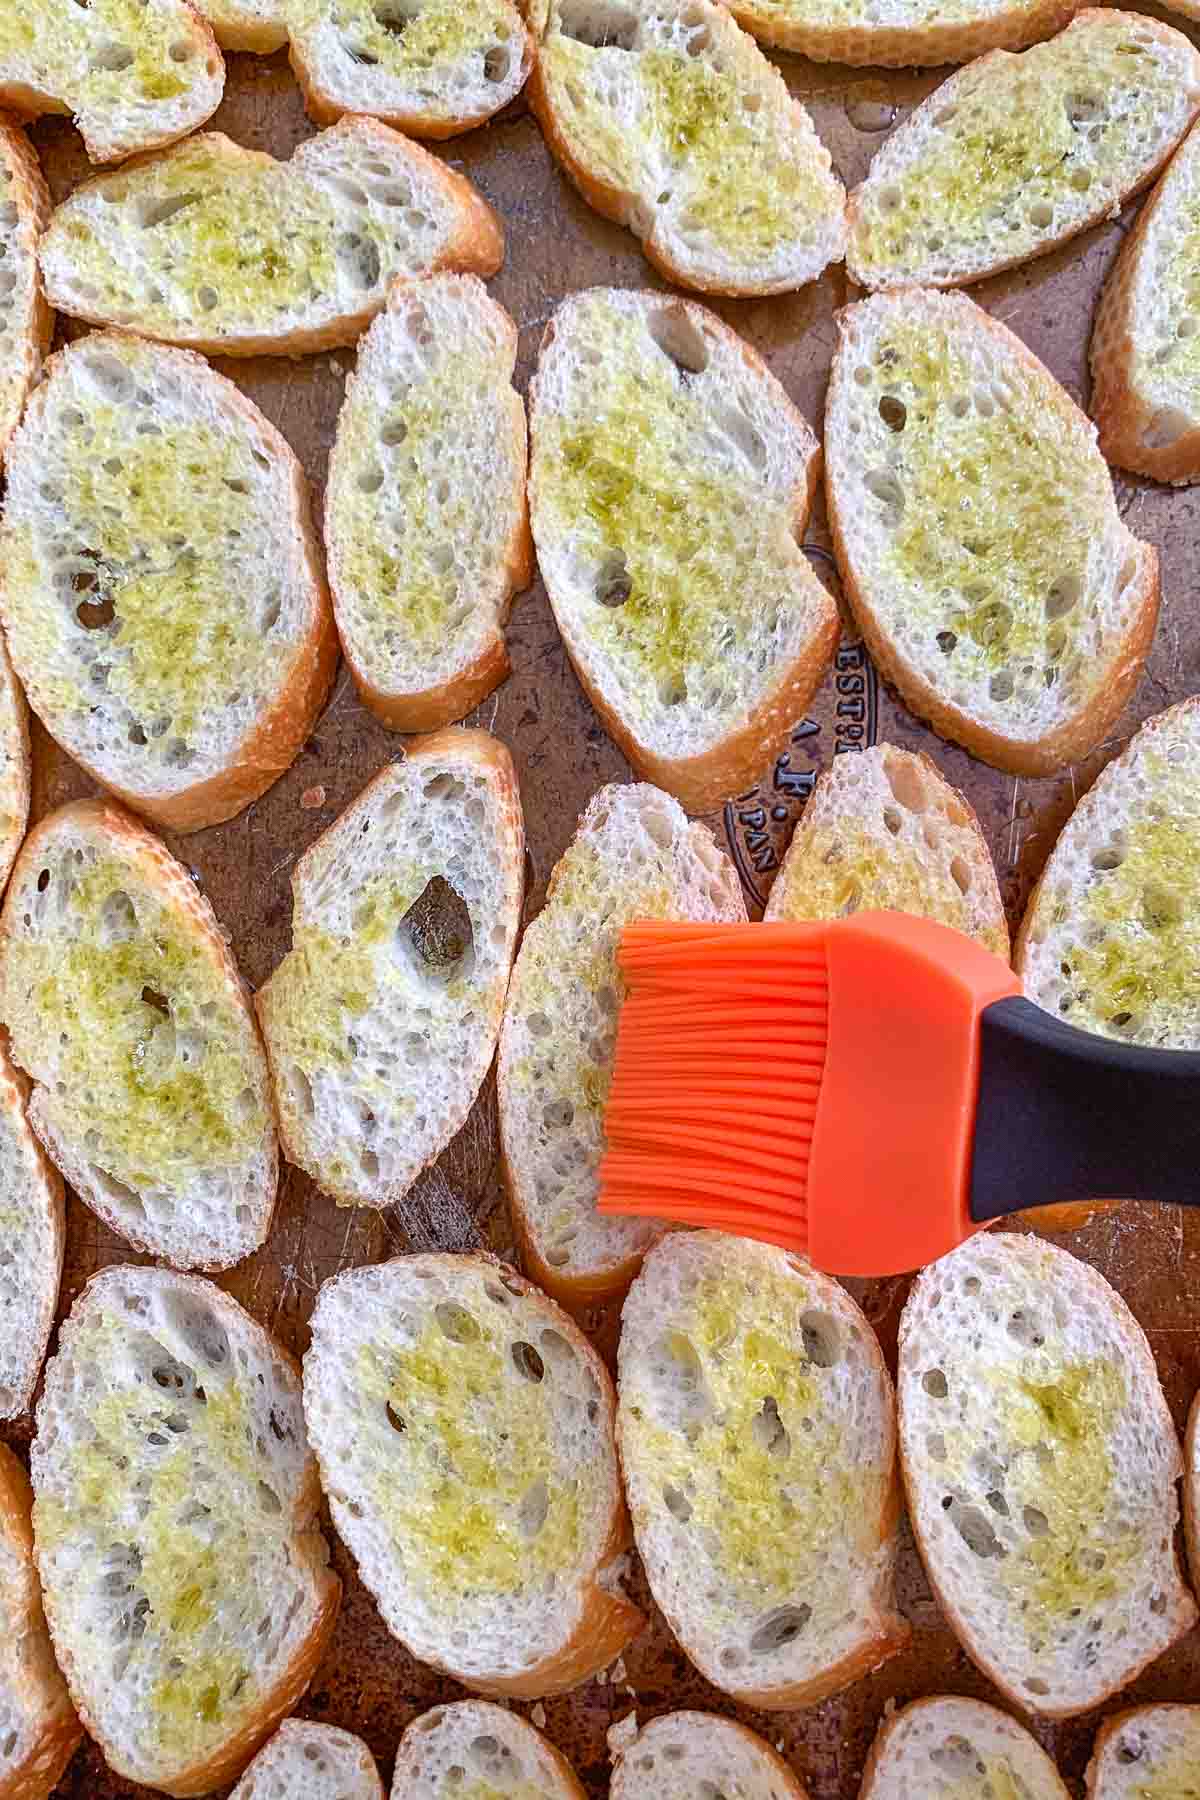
x: 25, y: 319
x: 671, y: 477
x: 1147, y: 1753
x: 381, y: 1022
x: 696, y: 1756
x: 464, y: 1428
x: 38, y: 1727
x: 669, y: 119
x: 306, y: 1761
x: 634, y: 856
x: 133, y: 73
x: 15, y: 765
x: 492, y: 1750
x: 1110, y: 940
x: 258, y: 25
x: 757, y: 1430
x: 977, y: 534
x: 126, y: 1009
x: 1040, y: 1463
x: 884, y: 828
x: 432, y: 69
x: 1015, y: 154
x: 162, y: 590
x: 901, y: 33
x: 163, y: 246
x: 33, y: 1225
x: 951, y: 1749
x: 426, y: 521
x: 187, y: 1587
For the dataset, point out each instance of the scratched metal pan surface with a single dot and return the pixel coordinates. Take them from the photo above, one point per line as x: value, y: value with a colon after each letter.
x: 556, y: 246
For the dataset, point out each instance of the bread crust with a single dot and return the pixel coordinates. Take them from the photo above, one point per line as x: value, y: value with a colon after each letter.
x: 1191, y: 1490
x: 1110, y: 1727
x: 32, y: 199
x: 61, y: 1732
x: 14, y: 1098
x: 261, y: 37
x: 908, y: 46
x: 16, y: 787
x: 786, y: 1784
x: 889, y: 1726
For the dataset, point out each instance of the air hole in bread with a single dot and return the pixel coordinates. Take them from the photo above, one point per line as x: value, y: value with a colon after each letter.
x: 779, y: 1629
x: 1111, y: 857
x: 497, y: 63
x: 884, y: 487
x: 94, y: 615
x: 1064, y: 594
x: 770, y: 1432
x: 672, y: 690
x: 679, y: 339
x: 1025, y: 1329
x: 555, y: 1346
x: 455, y: 1322
x: 535, y: 1504
x: 436, y: 936
x: 997, y: 1502
x: 111, y: 376
x: 934, y: 1383
x: 893, y: 412
x: 1035, y: 1521
x: 111, y: 56
x: 677, y: 1504
x: 527, y: 1362
x: 1165, y: 427
x: 394, y: 1419
x: 1041, y: 214
x: 358, y: 259
x: 600, y: 26
x: 822, y: 1339
x: 1001, y: 686
x: 394, y: 19
x: 301, y: 1091
x: 892, y: 820
x: 613, y: 582
x: 369, y: 479
x: 156, y: 209
x: 960, y: 874
x: 200, y: 1329
x: 118, y: 918
x: 957, y: 1758
x: 745, y: 436
x: 975, y: 1529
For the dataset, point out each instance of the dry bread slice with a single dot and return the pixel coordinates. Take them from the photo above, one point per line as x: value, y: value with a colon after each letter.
x: 33, y: 1224
x: 1110, y: 940
x: 26, y: 322
x: 426, y: 522
x: 186, y: 1584
x: 487, y: 1747
x: 305, y: 1761
x: 1014, y: 155
x: 757, y: 1431
x: 15, y: 765
x: 671, y: 478
x: 884, y: 828
x: 1040, y: 1463
x: 38, y: 1727
x: 227, y: 250
x: 464, y: 1428
x: 697, y: 1756
x: 162, y: 590
x: 126, y: 1009
x: 977, y: 534
x: 901, y: 33
x: 429, y: 67
x: 381, y: 1022
x: 635, y: 856
x: 1147, y: 1753
x: 950, y: 1749
x: 670, y: 120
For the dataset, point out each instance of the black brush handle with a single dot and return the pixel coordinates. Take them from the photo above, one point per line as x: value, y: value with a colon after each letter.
x: 1065, y: 1115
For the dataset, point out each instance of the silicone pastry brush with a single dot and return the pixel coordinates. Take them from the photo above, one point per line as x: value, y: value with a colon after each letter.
x: 871, y: 1091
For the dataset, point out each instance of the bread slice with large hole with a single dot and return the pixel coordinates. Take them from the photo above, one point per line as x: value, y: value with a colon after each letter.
x: 162, y: 588
x: 157, y: 247
x: 186, y: 1584
x: 634, y: 856
x: 903, y: 34
x: 1041, y: 1465
x: 1014, y: 155
x: 126, y: 1010
x: 952, y: 1749
x: 1110, y: 940
x: 381, y: 1022
x: 33, y: 1217
x: 977, y: 535
x: 757, y: 1430
x: 1147, y: 1753
x: 307, y: 1761
x: 38, y: 1727
x: 688, y: 1755
x: 670, y: 484
x: 884, y: 828
x: 493, y: 1750
x: 26, y: 322
x: 669, y: 119
x: 464, y: 1428
x: 426, y: 521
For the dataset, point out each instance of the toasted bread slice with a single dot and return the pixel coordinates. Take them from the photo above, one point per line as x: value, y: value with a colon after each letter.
x: 1014, y: 155
x: 671, y: 478
x: 426, y: 522
x: 187, y: 1587
x: 757, y: 1429
x: 34, y: 1228
x: 126, y: 1009
x: 635, y: 856
x: 670, y: 120
x: 464, y: 1428
x: 688, y: 1755
x: 38, y: 1727
x: 977, y: 534
x: 305, y: 1761
x: 1040, y: 1463
x: 258, y: 25
x: 381, y: 1022
x: 950, y: 1749
x: 905, y: 33
x: 26, y: 322
x: 884, y: 828
x: 432, y: 68
x: 475, y: 1741
x: 162, y: 247
x: 15, y: 765
x: 1110, y: 940
x: 1147, y: 1753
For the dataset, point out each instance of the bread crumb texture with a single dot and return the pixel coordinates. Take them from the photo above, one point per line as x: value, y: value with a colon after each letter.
x: 1153, y: 1754
x: 951, y: 1749
x: 307, y: 1761
x: 1164, y: 324
x: 472, y: 1750
x: 697, y: 1756
x: 19, y: 226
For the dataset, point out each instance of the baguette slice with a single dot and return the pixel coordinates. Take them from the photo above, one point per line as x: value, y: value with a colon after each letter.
x: 1147, y: 1753
x: 16, y: 766
x: 258, y: 25
x: 948, y: 1749
x: 697, y: 1756
x: 757, y: 1430
x: 885, y: 829
x: 670, y: 120
x: 1040, y: 1463
x: 127, y: 1011
x: 26, y: 322
x: 464, y: 1428
x: 33, y: 1226
x: 671, y: 478
x: 163, y: 246
x: 187, y: 1586
x: 432, y: 69
x: 304, y: 1761
x: 162, y: 590
x: 904, y: 34
x: 1110, y: 940
x: 38, y: 1727
x: 977, y: 535
x: 134, y: 73
x: 381, y: 1022
x: 426, y: 521
x: 506, y: 1758
x: 1014, y: 155
x: 635, y: 856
